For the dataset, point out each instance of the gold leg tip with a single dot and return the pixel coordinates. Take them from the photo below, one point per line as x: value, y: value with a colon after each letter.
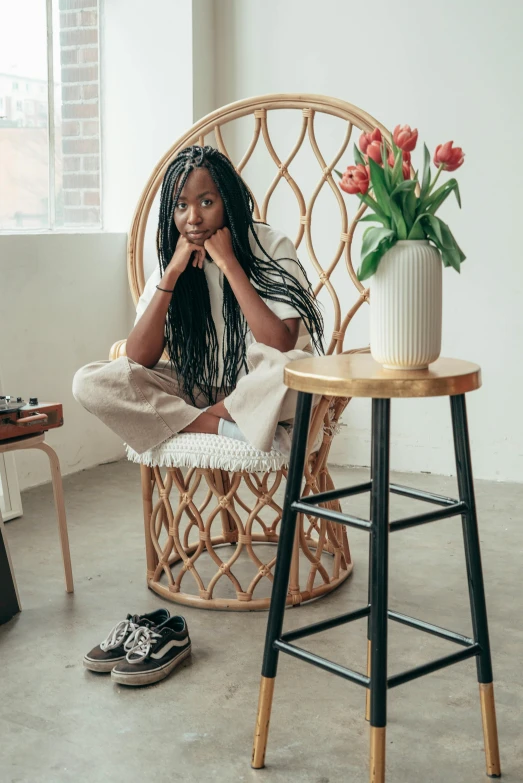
x: 490, y: 731
x: 262, y: 722
x: 257, y: 760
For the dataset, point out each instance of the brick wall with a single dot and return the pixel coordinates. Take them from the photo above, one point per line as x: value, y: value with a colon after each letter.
x: 79, y: 203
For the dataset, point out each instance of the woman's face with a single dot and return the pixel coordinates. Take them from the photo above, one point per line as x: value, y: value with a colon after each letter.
x: 199, y: 212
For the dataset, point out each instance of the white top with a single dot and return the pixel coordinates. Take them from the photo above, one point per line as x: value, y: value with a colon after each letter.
x: 276, y: 245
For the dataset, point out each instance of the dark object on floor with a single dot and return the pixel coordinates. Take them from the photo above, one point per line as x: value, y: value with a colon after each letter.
x: 105, y: 656
x: 9, y: 599
x: 155, y: 653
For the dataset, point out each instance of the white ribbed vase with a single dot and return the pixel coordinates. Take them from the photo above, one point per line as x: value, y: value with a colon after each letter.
x: 405, y: 307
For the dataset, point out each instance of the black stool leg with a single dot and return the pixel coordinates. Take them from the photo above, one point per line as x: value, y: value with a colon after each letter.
x: 281, y: 577
x: 379, y: 567
x: 475, y: 581
x: 369, y: 646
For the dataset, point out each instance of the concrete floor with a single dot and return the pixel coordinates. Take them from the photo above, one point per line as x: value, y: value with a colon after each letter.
x: 59, y: 722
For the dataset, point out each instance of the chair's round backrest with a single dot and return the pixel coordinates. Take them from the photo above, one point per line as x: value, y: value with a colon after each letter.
x: 305, y: 111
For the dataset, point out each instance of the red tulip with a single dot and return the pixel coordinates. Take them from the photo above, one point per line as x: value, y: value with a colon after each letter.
x: 374, y: 151
x: 391, y: 161
x: 406, y: 170
x: 355, y: 179
x: 368, y: 138
x: 451, y: 158
x: 405, y: 138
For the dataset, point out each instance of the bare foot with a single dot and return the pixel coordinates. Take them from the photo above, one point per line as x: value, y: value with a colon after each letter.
x: 206, y: 422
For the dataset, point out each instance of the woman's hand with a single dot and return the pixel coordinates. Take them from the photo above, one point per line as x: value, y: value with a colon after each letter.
x: 219, y: 247
x: 180, y: 260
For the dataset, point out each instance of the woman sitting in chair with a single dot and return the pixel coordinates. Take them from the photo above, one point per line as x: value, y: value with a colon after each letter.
x: 231, y: 304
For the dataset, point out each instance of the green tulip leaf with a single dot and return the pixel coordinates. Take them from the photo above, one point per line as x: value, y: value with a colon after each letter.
x: 434, y: 202
x: 410, y: 205
x: 387, y: 171
x: 442, y: 236
x: 369, y: 265
x: 381, y: 193
x: 371, y: 261
x: 425, y: 182
x: 417, y: 231
x: 418, y: 226
x: 397, y: 171
x: 370, y: 202
x: 370, y: 219
x: 398, y: 220
x: 373, y: 237
x: 358, y: 157
x: 407, y: 184
x: 435, y: 225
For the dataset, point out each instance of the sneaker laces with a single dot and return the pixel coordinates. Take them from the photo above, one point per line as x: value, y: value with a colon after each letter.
x: 119, y: 633
x: 139, y: 644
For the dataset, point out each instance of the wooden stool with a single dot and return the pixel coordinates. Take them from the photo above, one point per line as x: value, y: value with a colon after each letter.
x: 12, y: 605
x: 360, y: 376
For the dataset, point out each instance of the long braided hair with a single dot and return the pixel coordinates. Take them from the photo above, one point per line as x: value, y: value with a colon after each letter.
x: 191, y: 337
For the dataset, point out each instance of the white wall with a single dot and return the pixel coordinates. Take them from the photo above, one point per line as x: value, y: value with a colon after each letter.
x: 147, y: 95
x: 63, y: 303
x: 157, y: 79
x: 455, y: 71
x: 204, y: 14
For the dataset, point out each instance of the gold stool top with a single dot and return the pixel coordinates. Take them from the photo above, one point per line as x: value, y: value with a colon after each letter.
x: 358, y: 375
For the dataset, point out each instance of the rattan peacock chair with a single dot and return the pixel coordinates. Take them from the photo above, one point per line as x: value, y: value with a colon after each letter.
x: 185, y: 536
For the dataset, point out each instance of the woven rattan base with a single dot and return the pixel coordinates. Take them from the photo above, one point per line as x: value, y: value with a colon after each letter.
x: 223, y: 529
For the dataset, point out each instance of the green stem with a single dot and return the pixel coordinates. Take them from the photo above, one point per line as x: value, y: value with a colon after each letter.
x: 435, y: 179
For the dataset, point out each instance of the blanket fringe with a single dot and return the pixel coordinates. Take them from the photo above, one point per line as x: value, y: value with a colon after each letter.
x: 271, y: 462
x: 214, y: 452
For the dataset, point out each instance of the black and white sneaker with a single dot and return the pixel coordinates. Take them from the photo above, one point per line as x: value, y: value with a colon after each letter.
x: 153, y: 653
x: 111, y: 651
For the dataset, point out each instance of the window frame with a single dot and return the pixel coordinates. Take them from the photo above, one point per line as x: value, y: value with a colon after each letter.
x: 52, y: 228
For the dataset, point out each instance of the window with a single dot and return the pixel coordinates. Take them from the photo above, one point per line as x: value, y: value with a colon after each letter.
x: 49, y: 142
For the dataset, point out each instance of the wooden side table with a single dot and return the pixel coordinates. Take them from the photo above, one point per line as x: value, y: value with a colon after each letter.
x: 360, y: 376
x: 9, y: 599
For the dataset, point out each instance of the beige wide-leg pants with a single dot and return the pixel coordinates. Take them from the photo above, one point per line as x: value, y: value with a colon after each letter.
x: 146, y: 406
